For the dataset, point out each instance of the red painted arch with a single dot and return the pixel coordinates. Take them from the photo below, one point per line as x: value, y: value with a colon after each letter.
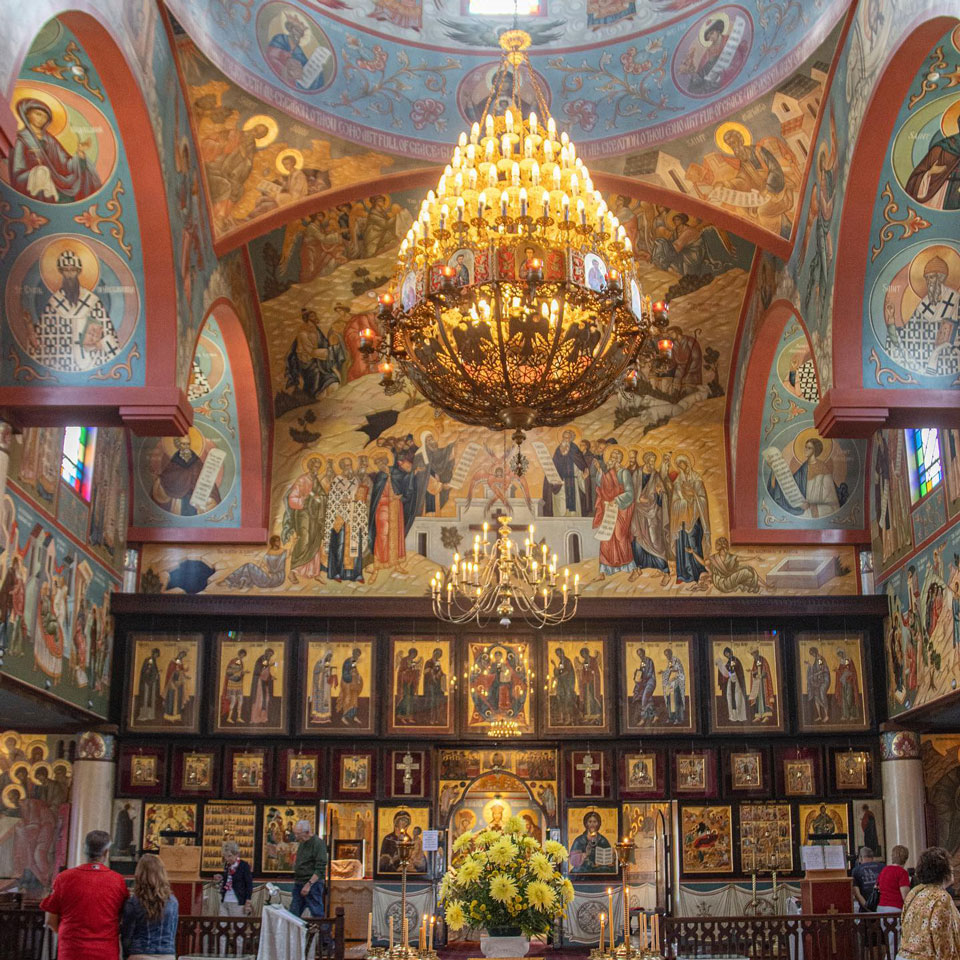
x: 745, y: 492
x: 252, y: 471
x: 159, y: 407
x: 851, y: 407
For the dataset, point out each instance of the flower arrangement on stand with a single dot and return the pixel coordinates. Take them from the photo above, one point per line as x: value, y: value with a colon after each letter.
x: 506, y: 883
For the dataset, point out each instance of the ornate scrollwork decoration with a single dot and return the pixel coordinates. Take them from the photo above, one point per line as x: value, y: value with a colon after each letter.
x: 929, y: 84
x: 91, y: 219
x: 884, y: 375
x: 28, y: 219
x: 910, y: 224
x: 119, y: 370
x: 27, y: 372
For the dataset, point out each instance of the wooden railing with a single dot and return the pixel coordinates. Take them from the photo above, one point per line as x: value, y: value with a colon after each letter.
x: 24, y: 937
x: 862, y: 936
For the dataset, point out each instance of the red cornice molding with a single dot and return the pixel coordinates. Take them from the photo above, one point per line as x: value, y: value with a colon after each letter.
x: 852, y: 412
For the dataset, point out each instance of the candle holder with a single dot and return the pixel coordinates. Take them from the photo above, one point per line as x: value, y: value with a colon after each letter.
x: 625, y: 849
x: 403, y: 950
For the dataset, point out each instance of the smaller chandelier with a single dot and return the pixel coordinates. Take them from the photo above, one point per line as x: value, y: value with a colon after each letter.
x: 500, y: 580
x: 503, y: 730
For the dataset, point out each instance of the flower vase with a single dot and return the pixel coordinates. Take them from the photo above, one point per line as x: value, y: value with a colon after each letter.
x: 504, y: 942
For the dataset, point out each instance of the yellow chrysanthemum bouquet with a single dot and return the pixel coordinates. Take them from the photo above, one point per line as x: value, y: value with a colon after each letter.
x: 505, y: 881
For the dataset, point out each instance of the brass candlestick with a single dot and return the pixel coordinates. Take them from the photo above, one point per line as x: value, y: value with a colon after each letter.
x: 403, y: 950
x: 625, y: 849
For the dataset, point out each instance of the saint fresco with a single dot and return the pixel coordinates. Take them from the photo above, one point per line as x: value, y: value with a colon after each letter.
x: 578, y: 698
x: 833, y: 691
x: 658, y: 679
x: 174, y: 817
x: 422, y: 678
x: 915, y: 310
x: 339, y: 691
x: 74, y: 304
x: 251, y: 672
x: 163, y: 680
x: 65, y: 149
x: 747, y: 684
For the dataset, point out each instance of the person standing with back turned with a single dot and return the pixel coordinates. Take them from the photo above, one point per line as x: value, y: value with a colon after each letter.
x: 84, y: 907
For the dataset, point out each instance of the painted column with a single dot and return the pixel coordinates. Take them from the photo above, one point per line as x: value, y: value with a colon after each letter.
x: 6, y: 438
x: 901, y: 773
x: 91, y: 797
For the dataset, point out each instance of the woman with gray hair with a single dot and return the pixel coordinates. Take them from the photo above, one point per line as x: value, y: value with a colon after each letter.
x: 236, y: 883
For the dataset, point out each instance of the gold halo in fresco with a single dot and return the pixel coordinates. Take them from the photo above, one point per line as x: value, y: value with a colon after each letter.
x: 800, y: 441
x: 28, y: 746
x: 711, y: 19
x: 724, y: 129
x: 496, y: 802
x: 6, y: 735
x: 196, y: 442
x: 57, y: 110
x: 950, y: 121
x: 12, y: 794
x: 89, y: 264
x: 920, y: 261
x: 290, y: 152
x: 272, y: 130
x: 308, y: 460
x: 61, y: 765
x: 21, y: 766
x: 36, y: 768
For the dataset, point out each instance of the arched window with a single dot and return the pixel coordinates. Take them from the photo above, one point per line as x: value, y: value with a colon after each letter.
x: 573, y: 548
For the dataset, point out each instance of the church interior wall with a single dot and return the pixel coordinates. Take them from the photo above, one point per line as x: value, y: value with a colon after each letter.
x: 286, y: 209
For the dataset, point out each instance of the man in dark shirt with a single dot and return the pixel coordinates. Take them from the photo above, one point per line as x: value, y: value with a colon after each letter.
x: 85, y: 904
x: 865, y: 875
x: 309, y: 869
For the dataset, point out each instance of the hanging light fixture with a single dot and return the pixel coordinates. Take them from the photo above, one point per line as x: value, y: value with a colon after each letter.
x: 500, y: 580
x: 516, y: 302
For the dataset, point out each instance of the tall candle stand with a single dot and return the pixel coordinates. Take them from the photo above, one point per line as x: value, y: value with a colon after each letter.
x: 401, y: 950
x: 625, y: 848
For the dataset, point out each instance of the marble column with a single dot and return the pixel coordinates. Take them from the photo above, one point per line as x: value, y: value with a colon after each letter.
x: 901, y: 774
x: 91, y: 796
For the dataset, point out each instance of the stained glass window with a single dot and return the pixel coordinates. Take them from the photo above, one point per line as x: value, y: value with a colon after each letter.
x: 76, y: 467
x: 926, y: 467
x: 500, y: 8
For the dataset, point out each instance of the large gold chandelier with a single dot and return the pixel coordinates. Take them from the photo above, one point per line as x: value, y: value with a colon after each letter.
x: 516, y: 303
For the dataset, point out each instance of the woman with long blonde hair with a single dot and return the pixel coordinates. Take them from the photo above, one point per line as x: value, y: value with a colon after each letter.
x: 148, y: 927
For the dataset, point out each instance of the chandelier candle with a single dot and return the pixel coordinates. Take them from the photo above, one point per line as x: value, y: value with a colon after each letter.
x: 528, y: 313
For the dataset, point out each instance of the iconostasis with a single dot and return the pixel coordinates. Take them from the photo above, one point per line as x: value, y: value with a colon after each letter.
x: 690, y: 728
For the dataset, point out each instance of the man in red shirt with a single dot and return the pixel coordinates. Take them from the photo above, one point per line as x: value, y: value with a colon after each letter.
x: 85, y: 904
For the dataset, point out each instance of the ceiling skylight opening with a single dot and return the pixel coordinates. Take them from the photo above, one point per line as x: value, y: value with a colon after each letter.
x: 505, y: 8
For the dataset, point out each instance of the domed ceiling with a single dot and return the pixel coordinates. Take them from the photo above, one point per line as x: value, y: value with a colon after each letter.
x: 402, y: 75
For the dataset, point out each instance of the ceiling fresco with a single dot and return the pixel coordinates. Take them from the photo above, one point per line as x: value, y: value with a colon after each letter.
x: 255, y: 161
x: 751, y: 164
x: 911, y: 309
x: 372, y: 489
x: 400, y: 76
